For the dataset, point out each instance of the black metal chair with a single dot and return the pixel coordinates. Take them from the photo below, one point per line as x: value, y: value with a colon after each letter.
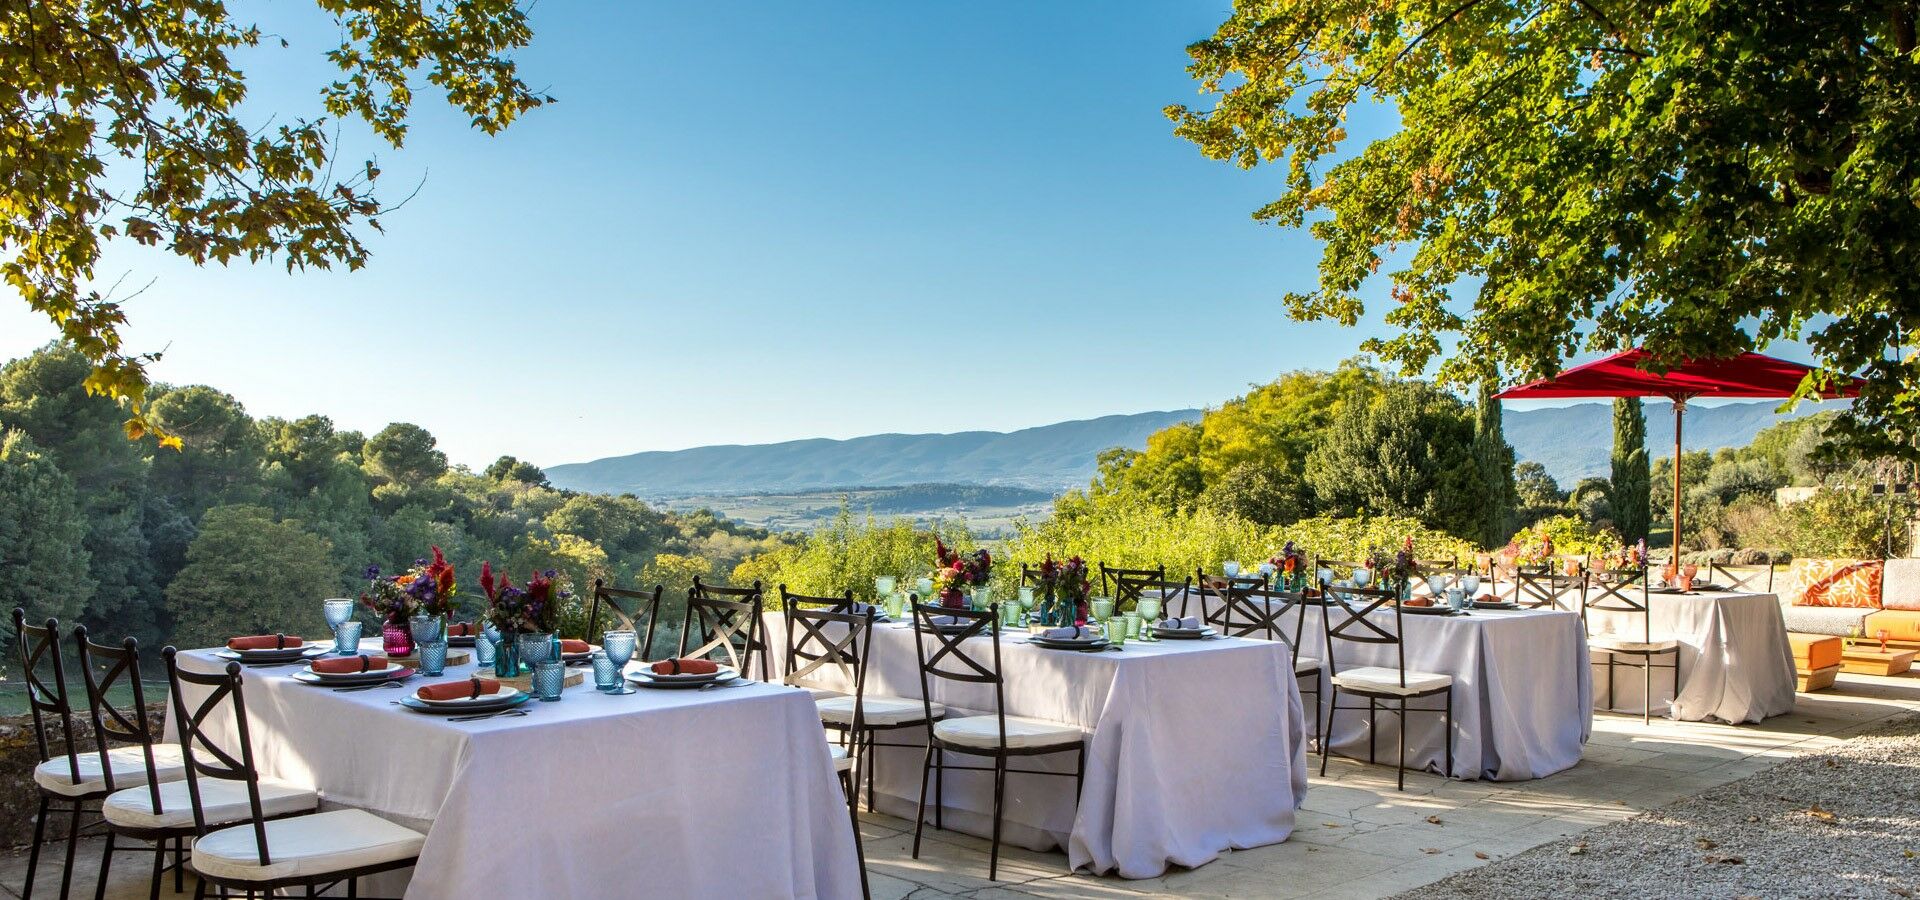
x: 1624, y: 592
x: 721, y: 622
x: 1388, y: 689
x: 76, y: 777
x: 835, y: 641
x: 337, y: 847
x: 1744, y: 579
x: 646, y: 604
x: 156, y: 809
x: 1550, y: 586
x: 998, y: 735
x: 1125, y: 585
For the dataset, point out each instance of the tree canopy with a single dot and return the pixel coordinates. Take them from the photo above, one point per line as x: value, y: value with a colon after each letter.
x: 1696, y: 178
x: 125, y: 122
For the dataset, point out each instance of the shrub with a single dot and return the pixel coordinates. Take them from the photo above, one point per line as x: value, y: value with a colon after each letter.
x: 1571, y: 535
x: 848, y: 554
x: 1350, y: 539
x: 1840, y: 522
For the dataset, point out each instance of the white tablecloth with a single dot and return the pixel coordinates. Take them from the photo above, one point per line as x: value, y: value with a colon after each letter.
x: 726, y: 793
x: 1522, y: 698
x: 1736, y: 664
x: 1196, y: 747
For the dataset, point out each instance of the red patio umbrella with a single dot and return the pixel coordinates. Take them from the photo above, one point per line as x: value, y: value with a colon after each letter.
x: 1622, y: 375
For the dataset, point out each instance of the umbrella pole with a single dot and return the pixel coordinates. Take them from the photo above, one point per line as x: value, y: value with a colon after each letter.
x: 1679, y: 417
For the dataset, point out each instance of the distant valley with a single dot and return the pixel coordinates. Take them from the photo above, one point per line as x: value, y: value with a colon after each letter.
x: 992, y: 477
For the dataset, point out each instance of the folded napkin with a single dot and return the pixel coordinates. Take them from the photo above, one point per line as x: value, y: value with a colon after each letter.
x: 1068, y: 633
x: 1190, y: 623
x: 264, y: 642
x: 347, y: 665
x: 463, y: 629
x: 945, y: 620
x: 685, y: 667
x: 861, y: 609
x: 568, y: 645
x: 454, y: 690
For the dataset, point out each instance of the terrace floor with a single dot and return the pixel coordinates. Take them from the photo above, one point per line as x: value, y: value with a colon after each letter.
x: 1356, y: 836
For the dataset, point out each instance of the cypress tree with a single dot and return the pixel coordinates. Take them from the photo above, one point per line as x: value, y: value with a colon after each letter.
x: 1630, y: 492
x: 1494, y: 460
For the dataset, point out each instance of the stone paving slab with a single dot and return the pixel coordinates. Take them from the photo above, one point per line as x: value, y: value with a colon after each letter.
x: 1357, y: 837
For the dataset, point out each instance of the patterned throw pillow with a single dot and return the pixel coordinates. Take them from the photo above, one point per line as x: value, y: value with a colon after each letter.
x: 1853, y: 583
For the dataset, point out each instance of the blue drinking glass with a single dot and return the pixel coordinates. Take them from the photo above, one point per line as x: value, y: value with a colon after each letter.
x: 549, y: 676
x: 483, y: 650
x: 346, y: 637
x: 606, y: 675
x: 433, y: 658
x: 619, y: 647
x: 337, y: 611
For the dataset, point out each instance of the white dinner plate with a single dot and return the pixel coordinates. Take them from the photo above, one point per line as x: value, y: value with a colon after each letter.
x: 289, y: 654
x: 726, y: 673
x: 503, y: 696
x: 348, y: 677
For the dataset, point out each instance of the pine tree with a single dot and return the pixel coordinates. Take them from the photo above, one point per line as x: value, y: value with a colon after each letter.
x: 1494, y: 458
x: 43, y: 565
x: 1630, y: 493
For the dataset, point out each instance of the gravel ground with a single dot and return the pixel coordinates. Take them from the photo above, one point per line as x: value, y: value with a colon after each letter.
x: 1839, y: 824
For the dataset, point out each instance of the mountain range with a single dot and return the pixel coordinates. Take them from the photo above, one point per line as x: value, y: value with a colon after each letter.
x: 1573, y: 442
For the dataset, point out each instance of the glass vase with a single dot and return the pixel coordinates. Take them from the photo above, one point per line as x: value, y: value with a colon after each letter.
x: 535, y: 648
x: 396, y: 640
x: 506, y: 658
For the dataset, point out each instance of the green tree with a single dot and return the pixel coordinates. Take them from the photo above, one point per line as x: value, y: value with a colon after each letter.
x: 1630, y: 492
x: 1259, y: 494
x: 404, y: 454
x: 508, y: 468
x: 43, y: 563
x: 248, y: 573
x: 127, y: 121
x: 1493, y: 457
x: 1594, y: 176
x: 1534, y: 486
x: 221, y: 448
x: 1408, y: 453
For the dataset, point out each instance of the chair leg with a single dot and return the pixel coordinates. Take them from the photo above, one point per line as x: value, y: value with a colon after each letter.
x: 1333, y: 708
x: 106, y: 863
x: 920, y: 820
x: 180, y: 864
x: 1372, y: 731
x: 868, y: 758
x: 1449, y: 772
x: 1401, y: 775
x: 940, y: 789
x: 999, y: 798
x: 199, y: 889
x: 1646, y: 709
x: 73, y: 838
x: 1319, y: 689
x: 850, y: 784
x: 33, y: 855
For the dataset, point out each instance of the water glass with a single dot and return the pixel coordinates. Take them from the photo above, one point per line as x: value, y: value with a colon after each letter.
x: 1361, y: 577
x: 982, y: 598
x: 1471, y: 585
x: 1149, y: 616
x: 1231, y: 567
x: 1130, y: 624
x: 883, y: 585
x: 433, y: 658
x: 1456, y: 598
x: 1325, y: 576
x: 337, y: 611
x: 346, y: 637
x: 1102, y: 609
x: 924, y: 587
x: 549, y: 676
x: 1117, y: 633
x: 427, y: 629
x: 606, y: 675
x: 619, y: 646
x: 483, y: 650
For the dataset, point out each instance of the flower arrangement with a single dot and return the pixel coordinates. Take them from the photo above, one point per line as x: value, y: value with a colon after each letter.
x: 1634, y: 557
x: 957, y: 572
x: 426, y: 589
x: 1067, y: 588
x: 534, y: 609
x: 1396, y: 571
x: 1290, y: 567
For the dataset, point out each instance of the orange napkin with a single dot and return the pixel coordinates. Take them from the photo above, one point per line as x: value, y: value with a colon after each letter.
x: 685, y: 667
x: 347, y: 665
x: 264, y: 642
x: 568, y: 645
x: 462, y: 629
x: 455, y: 690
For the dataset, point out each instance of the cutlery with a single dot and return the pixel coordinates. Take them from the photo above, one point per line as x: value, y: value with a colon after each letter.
x: 366, y: 687
x: 476, y: 718
x: 737, y: 682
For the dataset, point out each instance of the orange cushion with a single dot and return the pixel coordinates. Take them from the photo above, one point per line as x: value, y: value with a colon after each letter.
x: 1853, y: 583
x: 1901, y: 625
x: 1814, y: 651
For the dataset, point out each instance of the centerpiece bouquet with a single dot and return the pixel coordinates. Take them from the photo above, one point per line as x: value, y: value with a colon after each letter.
x: 1396, y: 571
x: 1290, y: 568
x: 959, y: 572
x: 534, y: 609
x: 422, y: 595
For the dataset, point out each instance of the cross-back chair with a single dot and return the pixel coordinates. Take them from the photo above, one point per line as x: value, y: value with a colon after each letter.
x: 717, y: 618
x: 1549, y: 585
x: 827, y: 653
x: 1388, y: 689
x: 996, y: 735
x: 336, y: 847
x: 153, y: 806
x: 1743, y: 579
x: 645, y: 605
x: 1125, y: 585
x: 1624, y: 594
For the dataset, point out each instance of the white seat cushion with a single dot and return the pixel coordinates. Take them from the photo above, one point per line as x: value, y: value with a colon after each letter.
x: 1627, y: 645
x: 876, y: 710
x: 841, y: 761
x: 1022, y: 733
x: 129, y: 769
x: 818, y: 693
x: 1306, y: 664
x: 222, y: 800
x: 1378, y: 679
x: 306, y: 846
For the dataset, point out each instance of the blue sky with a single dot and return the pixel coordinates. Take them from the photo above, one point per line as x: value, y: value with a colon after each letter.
x: 750, y: 222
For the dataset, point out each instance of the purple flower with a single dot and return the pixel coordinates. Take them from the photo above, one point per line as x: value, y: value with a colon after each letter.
x: 373, y: 572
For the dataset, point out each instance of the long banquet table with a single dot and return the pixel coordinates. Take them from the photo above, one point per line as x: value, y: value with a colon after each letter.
x: 1736, y: 664
x: 657, y: 793
x: 1195, y: 747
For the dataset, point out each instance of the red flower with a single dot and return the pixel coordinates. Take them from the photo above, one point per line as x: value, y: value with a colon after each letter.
x: 486, y: 580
